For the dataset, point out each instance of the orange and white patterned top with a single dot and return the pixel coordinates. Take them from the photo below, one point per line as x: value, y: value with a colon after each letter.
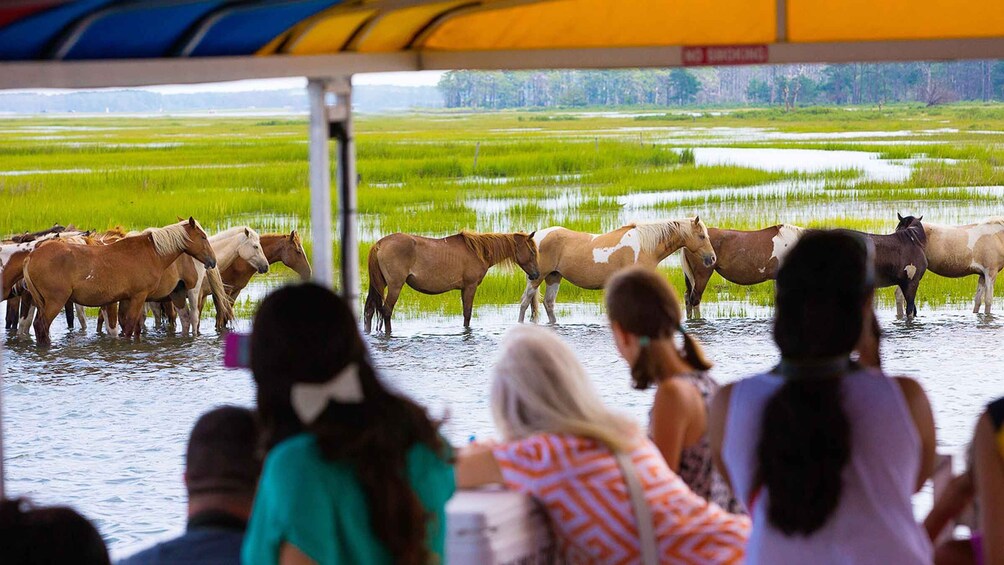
x: 583, y: 491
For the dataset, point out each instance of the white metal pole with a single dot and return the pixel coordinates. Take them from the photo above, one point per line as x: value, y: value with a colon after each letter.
x: 320, y: 186
x: 347, y: 203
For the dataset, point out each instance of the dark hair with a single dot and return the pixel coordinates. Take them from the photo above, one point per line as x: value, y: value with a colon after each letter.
x: 805, y: 439
x: 222, y: 453
x: 32, y: 535
x: 306, y: 334
x: 642, y: 302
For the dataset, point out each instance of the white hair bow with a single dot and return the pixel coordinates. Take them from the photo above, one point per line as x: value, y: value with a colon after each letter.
x: 309, y: 400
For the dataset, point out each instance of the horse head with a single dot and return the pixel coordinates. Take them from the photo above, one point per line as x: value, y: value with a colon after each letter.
x: 197, y: 244
x: 293, y: 255
x: 913, y: 227
x: 698, y: 242
x: 526, y: 255
x: 250, y: 250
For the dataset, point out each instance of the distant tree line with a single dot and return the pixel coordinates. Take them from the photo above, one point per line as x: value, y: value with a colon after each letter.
x: 787, y: 86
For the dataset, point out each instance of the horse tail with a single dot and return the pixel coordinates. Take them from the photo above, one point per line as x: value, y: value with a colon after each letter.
x: 30, y: 285
x: 374, y: 299
x: 224, y: 307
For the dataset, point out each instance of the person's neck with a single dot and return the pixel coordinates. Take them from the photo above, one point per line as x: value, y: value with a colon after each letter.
x: 236, y: 505
x: 669, y: 357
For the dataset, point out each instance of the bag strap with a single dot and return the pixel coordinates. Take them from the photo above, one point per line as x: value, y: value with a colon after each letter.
x: 642, y: 511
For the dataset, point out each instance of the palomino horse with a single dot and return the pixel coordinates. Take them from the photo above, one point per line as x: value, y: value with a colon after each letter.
x: 126, y: 271
x: 972, y: 249
x: 744, y: 257
x: 183, y: 281
x: 434, y: 266
x: 900, y: 261
x: 587, y: 260
x: 277, y: 247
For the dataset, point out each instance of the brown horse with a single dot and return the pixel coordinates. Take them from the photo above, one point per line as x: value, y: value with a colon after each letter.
x: 127, y: 270
x: 588, y: 260
x: 434, y: 266
x: 20, y: 309
x: 277, y: 247
x: 972, y: 249
x: 900, y: 261
x: 744, y: 257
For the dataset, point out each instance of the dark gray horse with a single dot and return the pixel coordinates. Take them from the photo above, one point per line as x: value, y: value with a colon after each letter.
x: 900, y: 261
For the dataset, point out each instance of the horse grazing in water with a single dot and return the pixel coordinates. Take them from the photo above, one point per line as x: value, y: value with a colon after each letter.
x: 744, y: 257
x: 125, y: 271
x: 972, y: 249
x: 588, y: 260
x: 277, y: 247
x: 900, y: 261
x: 434, y: 266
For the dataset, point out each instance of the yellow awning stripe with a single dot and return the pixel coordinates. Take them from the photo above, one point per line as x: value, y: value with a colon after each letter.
x: 328, y: 35
x: 864, y: 20
x: 395, y: 30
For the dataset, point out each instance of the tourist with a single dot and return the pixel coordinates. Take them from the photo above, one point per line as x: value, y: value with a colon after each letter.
x: 610, y: 495
x: 355, y: 473
x: 221, y: 473
x: 826, y: 453
x: 983, y: 482
x: 645, y: 318
x: 37, y: 535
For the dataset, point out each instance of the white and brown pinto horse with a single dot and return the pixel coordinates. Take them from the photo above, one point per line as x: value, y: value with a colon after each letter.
x: 434, y: 266
x: 744, y: 257
x: 972, y: 249
x: 125, y: 271
x: 588, y: 260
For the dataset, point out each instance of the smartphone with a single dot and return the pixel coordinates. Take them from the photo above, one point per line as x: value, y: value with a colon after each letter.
x: 237, y: 351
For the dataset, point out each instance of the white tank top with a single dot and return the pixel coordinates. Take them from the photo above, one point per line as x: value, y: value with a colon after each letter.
x: 873, y: 522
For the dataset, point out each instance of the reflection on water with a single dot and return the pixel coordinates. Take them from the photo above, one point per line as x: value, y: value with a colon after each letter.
x: 102, y: 423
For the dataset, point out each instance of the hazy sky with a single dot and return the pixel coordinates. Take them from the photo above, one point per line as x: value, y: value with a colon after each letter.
x: 416, y: 78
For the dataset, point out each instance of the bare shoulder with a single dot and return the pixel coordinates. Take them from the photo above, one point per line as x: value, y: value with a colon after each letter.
x: 912, y: 390
x: 679, y: 393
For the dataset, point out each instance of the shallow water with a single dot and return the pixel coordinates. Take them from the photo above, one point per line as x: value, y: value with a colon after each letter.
x: 103, y: 423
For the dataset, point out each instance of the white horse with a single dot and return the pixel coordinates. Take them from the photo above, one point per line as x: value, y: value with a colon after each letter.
x: 972, y: 249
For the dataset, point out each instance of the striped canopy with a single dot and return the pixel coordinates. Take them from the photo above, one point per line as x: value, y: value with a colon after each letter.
x: 389, y: 35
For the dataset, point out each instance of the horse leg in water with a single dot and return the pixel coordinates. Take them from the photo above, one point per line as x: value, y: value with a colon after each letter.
x: 530, y: 298
x: 900, y: 302
x: 13, y: 309
x: 989, y: 296
x: 467, y: 296
x: 171, y: 315
x: 393, y: 292
x: 112, y: 316
x: 132, y: 313
x: 81, y: 315
x: 46, y: 314
x: 553, y: 281
x: 981, y: 288
x: 910, y: 294
x: 27, y: 315
x: 68, y: 308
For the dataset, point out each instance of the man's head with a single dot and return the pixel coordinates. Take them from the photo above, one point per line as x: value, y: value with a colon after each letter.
x: 221, y: 462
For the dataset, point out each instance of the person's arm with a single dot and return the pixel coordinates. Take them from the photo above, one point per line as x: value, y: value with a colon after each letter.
x: 923, y: 420
x: 988, y: 473
x: 716, y: 430
x: 476, y: 466
x: 671, y: 418
x: 958, y: 494
x: 289, y: 554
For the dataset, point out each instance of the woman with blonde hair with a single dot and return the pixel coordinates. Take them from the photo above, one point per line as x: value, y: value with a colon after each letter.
x: 608, y: 492
x: 645, y: 318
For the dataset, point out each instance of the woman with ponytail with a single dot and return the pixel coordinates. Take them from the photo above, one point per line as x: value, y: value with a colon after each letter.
x: 825, y: 450
x: 355, y: 473
x: 645, y: 318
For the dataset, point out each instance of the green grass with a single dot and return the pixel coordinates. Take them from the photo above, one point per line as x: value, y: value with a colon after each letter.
x: 532, y: 170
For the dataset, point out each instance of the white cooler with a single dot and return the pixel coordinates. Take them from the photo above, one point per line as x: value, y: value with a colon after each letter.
x: 496, y: 527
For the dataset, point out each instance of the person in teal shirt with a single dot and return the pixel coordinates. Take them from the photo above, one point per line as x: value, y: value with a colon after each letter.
x: 355, y: 473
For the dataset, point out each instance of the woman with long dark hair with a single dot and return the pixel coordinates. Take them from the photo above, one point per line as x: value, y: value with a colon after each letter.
x: 824, y: 451
x: 355, y: 472
x: 645, y: 319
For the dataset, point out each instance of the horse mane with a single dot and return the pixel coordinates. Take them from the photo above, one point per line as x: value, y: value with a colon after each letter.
x: 170, y: 239
x: 230, y: 232
x: 492, y: 248
x: 652, y: 234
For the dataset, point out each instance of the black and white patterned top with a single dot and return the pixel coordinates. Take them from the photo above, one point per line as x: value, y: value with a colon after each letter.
x: 696, y: 466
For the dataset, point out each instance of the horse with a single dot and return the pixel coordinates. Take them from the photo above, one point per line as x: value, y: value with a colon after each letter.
x: 183, y: 281
x: 20, y: 309
x: 901, y: 261
x: 588, y: 260
x: 277, y: 247
x: 127, y: 271
x: 971, y: 249
x: 434, y: 266
x: 32, y: 236
x: 744, y: 257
